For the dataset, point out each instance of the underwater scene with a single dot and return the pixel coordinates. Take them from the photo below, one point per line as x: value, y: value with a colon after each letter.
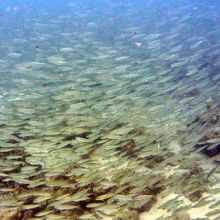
x: 110, y: 109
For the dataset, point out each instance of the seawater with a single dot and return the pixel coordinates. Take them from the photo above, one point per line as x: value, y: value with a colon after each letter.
x: 103, y: 104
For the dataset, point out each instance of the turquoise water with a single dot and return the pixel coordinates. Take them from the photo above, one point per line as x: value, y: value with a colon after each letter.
x: 102, y: 104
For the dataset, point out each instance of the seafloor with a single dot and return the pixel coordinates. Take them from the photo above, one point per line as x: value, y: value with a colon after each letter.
x: 110, y: 112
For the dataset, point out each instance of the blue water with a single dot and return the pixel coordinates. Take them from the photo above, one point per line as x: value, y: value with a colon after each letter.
x: 107, y: 98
